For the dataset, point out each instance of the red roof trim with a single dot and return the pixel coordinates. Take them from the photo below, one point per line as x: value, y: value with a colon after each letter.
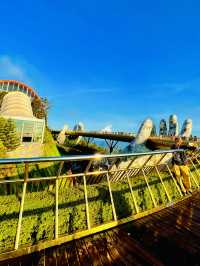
x: 24, y: 86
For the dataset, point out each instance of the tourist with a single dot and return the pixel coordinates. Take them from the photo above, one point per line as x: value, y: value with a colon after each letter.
x: 180, y: 167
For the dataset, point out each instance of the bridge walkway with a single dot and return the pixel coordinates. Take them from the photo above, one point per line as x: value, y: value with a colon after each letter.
x: 168, y: 237
x: 153, y: 142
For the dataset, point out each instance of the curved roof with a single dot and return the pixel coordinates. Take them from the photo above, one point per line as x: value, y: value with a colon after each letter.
x: 16, y: 103
x: 22, y: 86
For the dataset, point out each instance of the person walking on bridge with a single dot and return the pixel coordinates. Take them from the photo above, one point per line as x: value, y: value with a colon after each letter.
x: 180, y: 167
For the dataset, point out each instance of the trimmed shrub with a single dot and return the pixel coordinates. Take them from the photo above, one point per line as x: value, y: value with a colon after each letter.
x: 12, y: 140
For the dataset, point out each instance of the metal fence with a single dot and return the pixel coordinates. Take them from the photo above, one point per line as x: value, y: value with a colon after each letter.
x: 81, y: 173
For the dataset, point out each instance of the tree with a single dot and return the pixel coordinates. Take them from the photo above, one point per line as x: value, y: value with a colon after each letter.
x: 2, y: 150
x: 38, y: 108
x: 46, y: 106
x: 12, y: 140
x: 2, y: 94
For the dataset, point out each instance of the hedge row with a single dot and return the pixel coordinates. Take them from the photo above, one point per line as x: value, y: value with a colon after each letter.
x: 39, y: 209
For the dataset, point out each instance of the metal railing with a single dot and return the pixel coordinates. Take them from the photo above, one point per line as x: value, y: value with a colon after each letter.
x: 95, y: 170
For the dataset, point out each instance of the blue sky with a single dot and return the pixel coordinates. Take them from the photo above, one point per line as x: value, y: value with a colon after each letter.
x: 106, y: 62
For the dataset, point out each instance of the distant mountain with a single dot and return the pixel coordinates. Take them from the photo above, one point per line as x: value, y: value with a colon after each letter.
x: 137, y: 148
x: 124, y: 147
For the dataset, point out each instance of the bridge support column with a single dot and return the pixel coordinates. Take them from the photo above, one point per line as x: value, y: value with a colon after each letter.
x: 88, y: 140
x: 111, y: 144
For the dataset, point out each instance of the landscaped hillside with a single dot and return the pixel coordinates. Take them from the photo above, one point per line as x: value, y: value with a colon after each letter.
x: 72, y: 148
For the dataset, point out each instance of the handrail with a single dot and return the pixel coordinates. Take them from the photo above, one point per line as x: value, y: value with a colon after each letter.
x: 82, y: 157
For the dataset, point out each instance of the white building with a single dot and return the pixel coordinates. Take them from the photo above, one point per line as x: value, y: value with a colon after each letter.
x: 16, y: 105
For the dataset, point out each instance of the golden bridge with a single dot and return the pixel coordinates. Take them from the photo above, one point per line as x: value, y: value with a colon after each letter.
x: 112, y: 138
x: 125, y: 209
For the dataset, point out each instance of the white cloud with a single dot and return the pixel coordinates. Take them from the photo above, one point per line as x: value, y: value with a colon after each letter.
x: 108, y: 128
x: 10, y: 69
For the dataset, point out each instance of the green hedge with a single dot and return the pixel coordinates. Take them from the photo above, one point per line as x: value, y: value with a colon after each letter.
x: 39, y: 209
x: 49, y: 148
